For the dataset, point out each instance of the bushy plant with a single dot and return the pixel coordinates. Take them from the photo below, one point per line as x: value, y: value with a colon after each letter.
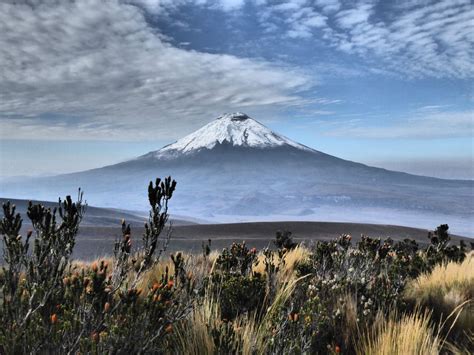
x: 50, y: 305
x: 284, y: 241
x: 371, y: 275
x: 239, y: 289
x: 439, y: 250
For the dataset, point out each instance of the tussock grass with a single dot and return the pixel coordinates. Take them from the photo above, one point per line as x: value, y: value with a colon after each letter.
x: 291, y: 259
x: 195, y: 336
x: 350, y: 319
x: 408, y: 335
x: 444, y: 289
x: 295, y: 256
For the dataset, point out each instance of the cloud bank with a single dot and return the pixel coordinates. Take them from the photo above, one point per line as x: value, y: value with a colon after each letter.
x: 97, y: 69
x: 93, y: 69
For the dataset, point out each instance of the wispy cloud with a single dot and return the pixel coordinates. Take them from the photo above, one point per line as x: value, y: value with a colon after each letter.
x: 422, y: 39
x: 436, y: 124
x: 427, y: 38
x: 109, y: 74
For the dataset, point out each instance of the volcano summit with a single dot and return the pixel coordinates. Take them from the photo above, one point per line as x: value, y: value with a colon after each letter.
x: 235, y: 129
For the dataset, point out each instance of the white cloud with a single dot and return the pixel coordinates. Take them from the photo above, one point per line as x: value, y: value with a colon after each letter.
x: 158, y: 6
x: 95, y: 69
x: 350, y: 17
x: 328, y: 6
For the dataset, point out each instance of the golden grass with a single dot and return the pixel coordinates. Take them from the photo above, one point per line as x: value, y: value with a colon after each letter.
x: 409, y: 335
x: 154, y: 274
x: 446, y: 288
x: 194, y: 336
x: 294, y: 256
x: 291, y: 259
x: 255, y: 336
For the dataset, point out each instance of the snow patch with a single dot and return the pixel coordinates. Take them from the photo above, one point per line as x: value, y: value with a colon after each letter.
x: 236, y: 129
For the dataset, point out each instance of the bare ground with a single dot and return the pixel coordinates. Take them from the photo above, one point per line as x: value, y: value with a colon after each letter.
x: 98, y: 241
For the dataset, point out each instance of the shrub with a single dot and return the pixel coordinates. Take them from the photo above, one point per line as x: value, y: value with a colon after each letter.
x: 238, y: 289
x: 238, y: 259
x: 50, y: 305
x: 283, y: 240
x: 343, y: 282
x: 439, y: 250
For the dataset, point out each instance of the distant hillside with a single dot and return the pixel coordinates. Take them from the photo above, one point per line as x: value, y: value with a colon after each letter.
x: 95, y: 216
x: 97, y: 241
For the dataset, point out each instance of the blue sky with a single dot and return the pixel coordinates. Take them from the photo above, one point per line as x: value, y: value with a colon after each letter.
x: 89, y: 83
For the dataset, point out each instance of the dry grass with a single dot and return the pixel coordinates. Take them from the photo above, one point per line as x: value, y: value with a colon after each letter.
x: 408, y: 335
x: 78, y: 264
x: 445, y: 289
x: 350, y: 319
x: 294, y: 256
x: 291, y: 259
x: 254, y: 335
x: 195, y: 336
x: 153, y: 275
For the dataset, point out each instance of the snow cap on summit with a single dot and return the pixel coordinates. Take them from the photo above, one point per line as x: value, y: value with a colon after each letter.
x: 237, y: 129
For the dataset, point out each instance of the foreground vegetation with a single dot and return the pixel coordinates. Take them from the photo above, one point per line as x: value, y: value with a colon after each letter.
x: 374, y: 297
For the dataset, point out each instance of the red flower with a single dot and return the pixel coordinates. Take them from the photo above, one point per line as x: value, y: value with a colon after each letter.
x: 54, y: 318
x: 94, y: 266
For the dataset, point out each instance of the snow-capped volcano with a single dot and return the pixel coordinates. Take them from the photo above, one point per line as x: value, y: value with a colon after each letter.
x: 236, y: 129
x: 235, y: 168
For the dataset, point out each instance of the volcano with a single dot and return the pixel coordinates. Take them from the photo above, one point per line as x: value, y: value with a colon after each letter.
x: 236, y: 169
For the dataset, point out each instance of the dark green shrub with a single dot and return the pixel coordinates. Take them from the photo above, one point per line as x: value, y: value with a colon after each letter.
x: 50, y: 305
x: 238, y: 259
x: 283, y: 240
x: 439, y: 250
x: 238, y: 289
x: 240, y: 294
